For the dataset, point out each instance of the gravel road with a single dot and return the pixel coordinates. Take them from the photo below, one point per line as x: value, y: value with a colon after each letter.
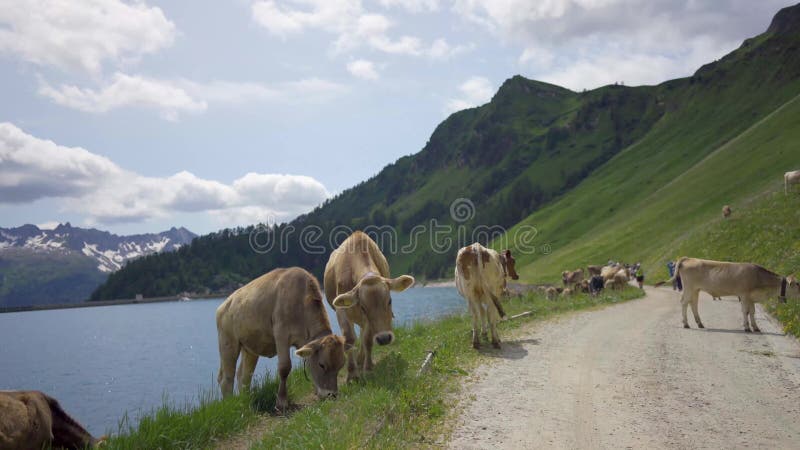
x: 630, y: 376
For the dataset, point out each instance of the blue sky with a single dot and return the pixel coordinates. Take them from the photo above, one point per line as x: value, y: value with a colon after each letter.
x: 137, y: 116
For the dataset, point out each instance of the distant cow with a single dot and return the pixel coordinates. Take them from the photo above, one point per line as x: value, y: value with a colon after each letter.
x: 567, y: 292
x: 34, y: 420
x: 596, y: 284
x: 480, y: 280
x: 594, y: 270
x: 551, y: 293
x: 608, y: 272
x: 266, y: 317
x: 357, y: 284
x: 572, y: 278
x: 621, y: 279
x: 726, y: 211
x: 509, y: 264
x: 750, y: 282
x: 790, y: 178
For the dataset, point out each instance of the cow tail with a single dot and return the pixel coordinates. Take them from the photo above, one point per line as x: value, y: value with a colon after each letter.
x: 495, y: 300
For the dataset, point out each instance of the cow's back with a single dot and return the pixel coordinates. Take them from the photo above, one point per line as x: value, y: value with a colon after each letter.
x: 472, y: 281
x: 25, y: 420
x: 725, y: 278
x: 348, y: 263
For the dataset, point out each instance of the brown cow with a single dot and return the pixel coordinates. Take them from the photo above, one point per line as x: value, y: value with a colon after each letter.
x: 726, y: 211
x: 594, y: 270
x: 509, y: 265
x: 480, y: 279
x: 572, y: 279
x: 34, y: 420
x: 358, y: 286
x: 266, y: 317
x: 750, y: 282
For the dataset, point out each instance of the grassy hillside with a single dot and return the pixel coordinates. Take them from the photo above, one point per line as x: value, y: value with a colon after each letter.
x: 617, y: 172
x: 730, y: 133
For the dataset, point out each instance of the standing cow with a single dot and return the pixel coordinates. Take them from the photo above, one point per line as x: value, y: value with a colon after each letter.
x: 266, y: 317
x: 726, y: 211
x: 480, y: 279
x: 358, y: 286
x: 790, y: 178
x: 750, y: 282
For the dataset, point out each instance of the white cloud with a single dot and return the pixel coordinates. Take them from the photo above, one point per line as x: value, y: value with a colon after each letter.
x: 363, y: 69
x: 126, y: 91
x: 474, y: 92
x: 174, y: 97
x: 82, y: 35
x: 588, y: 43
x: 50, y: 225
x: 414, y: 6
x: 353, y: 26
x: 33, y: 168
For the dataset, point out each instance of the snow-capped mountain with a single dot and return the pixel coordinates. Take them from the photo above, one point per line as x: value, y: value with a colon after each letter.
x: 110, y: 251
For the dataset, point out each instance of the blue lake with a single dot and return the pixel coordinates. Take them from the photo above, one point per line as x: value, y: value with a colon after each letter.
x: 105, y: 361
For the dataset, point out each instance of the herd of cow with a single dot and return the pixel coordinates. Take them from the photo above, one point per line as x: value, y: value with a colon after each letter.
x: 284, y: 309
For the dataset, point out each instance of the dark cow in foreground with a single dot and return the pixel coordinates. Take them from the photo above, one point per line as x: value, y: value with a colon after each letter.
x: 34, y: 420
x: 268, y: 316
x: 481, y: 279
x: 358, y: 286
x: 750, y: 282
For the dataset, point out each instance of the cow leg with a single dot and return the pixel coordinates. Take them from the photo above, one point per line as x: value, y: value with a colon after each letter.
x: 247, y: 365
x: 751, y: 310
x: 365, y: 357
x: 284, y: 368
x: 228, y: 354
x: 745, y: 312
x: 476, y: 315
x: 695, y: 313
x: 493, y: 317
x: 350, y: 340
x: 484, y: 318
x: 684, y: 306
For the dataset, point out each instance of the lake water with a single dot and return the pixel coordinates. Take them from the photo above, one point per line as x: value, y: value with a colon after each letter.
x: 103, y: 361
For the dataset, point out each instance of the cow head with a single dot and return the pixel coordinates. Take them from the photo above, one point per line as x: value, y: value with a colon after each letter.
x: 324, y: 358
x: 372, y: 295
x: 509, y: 265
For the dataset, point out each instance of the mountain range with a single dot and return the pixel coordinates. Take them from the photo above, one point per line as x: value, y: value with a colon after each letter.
x: 617, y: 172
x: 65, y: 264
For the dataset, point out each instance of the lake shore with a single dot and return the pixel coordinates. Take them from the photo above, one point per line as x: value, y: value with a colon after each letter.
x: 90, y: 304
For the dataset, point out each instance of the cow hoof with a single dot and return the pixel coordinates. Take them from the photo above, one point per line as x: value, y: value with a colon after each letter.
x: 700, y: 325
x: 496, y: 345
x: 747, y: 330
x: 686, y: 326
x: 476, y: 345
x: 757, y: 330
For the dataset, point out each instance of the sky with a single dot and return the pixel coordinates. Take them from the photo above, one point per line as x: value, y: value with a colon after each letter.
x: 135, y: 116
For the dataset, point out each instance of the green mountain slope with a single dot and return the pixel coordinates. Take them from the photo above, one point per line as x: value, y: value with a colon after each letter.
x: 617, y: 172
x: 731, y: 132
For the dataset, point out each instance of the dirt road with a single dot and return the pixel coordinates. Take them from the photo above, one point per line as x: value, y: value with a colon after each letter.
x: 630, y: 376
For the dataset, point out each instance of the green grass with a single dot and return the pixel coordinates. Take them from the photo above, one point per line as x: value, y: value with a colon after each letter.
x: 390, y: 408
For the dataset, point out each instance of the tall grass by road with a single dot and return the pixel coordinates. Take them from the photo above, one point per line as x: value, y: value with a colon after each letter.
x: 390, y: 408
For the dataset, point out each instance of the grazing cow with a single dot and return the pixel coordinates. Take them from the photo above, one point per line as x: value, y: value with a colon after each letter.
x: 34, y: 420
x: 266, y: 317
x: 551, y: 293
x: 480, y: 280
x: 609, y: 284
x: 567, y: 292
x: 594, y: 270
x: 585, y: 286
x: 726, y: 211
x: 608, y: 272
x: 358, y: 286
x: 572, y: 278
x: 595, y: 284
x: 750, y: 282
x: 790, y: 178
x: 621, y: 279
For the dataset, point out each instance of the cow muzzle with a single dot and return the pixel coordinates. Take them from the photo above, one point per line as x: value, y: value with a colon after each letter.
x: 384, y: 338
x: 326, y: 393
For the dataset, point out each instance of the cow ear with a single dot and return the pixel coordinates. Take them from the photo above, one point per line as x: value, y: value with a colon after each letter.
x: 400, y: 283
x: 346, y: 300
x: 306, y: 350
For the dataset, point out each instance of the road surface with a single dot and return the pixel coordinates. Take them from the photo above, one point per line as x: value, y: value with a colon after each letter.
x: 630, y: 376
